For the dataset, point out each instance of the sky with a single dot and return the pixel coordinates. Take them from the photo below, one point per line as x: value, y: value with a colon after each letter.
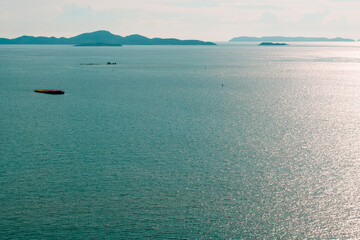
x: 210, y: 20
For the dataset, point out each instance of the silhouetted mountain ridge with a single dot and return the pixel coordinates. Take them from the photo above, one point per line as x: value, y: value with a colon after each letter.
x: 94, y: 37
x: 289, y: 39
x: 104, y: 37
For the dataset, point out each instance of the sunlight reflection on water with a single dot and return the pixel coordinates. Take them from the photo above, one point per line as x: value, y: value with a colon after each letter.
x: 155, y: 147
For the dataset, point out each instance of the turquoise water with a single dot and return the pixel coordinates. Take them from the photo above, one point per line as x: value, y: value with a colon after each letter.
x: 155, y: 148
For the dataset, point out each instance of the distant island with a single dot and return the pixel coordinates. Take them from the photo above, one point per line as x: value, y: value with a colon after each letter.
x: 289, y: 39
x: 272, y: 44
x: 102, y: 37
x: 97, y: 45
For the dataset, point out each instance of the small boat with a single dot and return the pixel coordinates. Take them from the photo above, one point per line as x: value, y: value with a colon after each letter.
x: 50, y: 91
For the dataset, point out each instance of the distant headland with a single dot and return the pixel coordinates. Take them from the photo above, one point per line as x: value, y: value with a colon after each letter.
x: 289, y: 39
x: 102, y: 38
x: 97, y: 45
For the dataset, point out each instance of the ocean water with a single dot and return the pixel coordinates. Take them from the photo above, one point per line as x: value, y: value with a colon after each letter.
x: 155, y: 147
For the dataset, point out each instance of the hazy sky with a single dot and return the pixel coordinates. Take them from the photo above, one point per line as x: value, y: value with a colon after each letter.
x: 212, y: 20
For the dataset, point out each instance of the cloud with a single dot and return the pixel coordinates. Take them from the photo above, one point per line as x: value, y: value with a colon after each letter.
x: 204, y: 19
x: 269, y: 18
x: 74, y: 11
x: 241, y: 5
x: 314, y: 18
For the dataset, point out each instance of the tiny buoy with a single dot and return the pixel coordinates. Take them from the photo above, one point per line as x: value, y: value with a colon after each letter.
x: 50, y: 91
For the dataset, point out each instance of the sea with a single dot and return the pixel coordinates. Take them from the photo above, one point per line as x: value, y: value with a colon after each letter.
x: 234, y: 141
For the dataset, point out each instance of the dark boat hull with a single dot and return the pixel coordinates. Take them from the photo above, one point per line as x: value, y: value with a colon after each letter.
x: 50, y: 91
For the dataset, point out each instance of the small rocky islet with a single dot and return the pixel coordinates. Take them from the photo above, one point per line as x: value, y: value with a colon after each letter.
x: 272, y: 44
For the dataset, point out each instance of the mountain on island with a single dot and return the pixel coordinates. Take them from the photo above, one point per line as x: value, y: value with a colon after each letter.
x: 102, y: 38
x: 289, y: 39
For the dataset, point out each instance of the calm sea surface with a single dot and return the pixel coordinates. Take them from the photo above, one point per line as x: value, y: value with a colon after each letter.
x: 155, y: 147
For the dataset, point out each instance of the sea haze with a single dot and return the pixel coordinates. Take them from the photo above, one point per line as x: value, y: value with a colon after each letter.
x: 155, y: 147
